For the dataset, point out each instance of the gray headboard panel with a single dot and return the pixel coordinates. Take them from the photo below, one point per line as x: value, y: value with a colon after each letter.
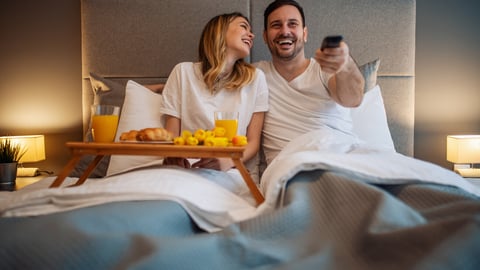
x: 144, y: 39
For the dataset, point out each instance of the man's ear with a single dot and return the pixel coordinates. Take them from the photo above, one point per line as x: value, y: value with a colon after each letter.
x: 305, y: 34
x: 265, y: 36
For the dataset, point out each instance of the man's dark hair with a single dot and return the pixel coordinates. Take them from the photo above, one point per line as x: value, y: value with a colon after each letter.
x: 279, y: 3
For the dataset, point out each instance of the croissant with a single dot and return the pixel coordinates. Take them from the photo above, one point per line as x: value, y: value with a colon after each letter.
x: 154, y: 134
x: 129, y: 135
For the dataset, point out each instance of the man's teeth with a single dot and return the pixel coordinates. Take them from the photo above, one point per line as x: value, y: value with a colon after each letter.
x: 283, y: 42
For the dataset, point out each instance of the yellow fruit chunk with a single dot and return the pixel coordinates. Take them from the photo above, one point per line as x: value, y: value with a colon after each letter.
x: 192, y: 141
x: 209, y: 133
x: 186, y: 134
x: 216, y: 141
x: 219, y: 131
x: 179, y: 141
x: 200, y: 135
x: 239, y: 140
x: 209, y: 141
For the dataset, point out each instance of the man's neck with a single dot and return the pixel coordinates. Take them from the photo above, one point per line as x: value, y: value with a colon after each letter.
x: 290, y: 69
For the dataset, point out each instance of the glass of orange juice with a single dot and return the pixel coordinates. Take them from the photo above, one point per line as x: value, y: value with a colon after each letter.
x: 104, y: 122
x: 229, y: 121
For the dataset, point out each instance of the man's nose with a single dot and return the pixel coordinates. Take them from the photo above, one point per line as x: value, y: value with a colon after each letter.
x: 284, y: 29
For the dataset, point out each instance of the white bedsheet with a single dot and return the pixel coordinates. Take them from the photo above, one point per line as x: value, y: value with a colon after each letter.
x: 215, y: 200
x: 333, y: 150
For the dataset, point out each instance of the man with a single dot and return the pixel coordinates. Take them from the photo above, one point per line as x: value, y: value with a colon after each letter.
x: 305, y: 93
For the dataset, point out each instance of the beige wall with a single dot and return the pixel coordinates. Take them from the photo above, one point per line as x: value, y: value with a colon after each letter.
x: 40, y: 74
x: 447, y: 75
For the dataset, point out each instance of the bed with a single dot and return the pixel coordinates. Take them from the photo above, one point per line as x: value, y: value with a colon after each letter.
x: 332, y: 201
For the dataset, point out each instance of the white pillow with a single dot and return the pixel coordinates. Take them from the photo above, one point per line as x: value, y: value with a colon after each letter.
x: 370, y: 120
x: 140, y: 110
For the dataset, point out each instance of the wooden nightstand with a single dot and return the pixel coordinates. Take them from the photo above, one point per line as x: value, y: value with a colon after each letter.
x: 22, y: 182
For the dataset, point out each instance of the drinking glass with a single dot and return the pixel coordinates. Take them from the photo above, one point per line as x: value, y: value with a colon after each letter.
x: 229, y: 121
x: 104, y: 122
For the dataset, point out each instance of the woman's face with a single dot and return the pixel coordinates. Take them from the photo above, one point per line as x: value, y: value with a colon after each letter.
x: 239, y: 38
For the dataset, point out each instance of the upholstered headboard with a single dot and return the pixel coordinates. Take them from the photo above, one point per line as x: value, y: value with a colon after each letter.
x: 143, y: 39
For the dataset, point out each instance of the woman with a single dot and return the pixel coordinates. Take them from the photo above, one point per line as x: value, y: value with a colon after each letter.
x: 220, y: 81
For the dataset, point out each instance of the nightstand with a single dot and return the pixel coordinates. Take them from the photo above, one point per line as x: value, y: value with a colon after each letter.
x: 22, y: 182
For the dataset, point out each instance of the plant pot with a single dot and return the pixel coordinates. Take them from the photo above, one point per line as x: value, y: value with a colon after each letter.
x: 8, y: 173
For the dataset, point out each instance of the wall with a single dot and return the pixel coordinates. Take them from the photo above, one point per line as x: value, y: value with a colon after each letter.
x: 447, y: 75
x: 40, y: 74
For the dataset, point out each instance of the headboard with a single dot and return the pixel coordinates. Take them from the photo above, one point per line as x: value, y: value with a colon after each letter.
x: 142, y: 40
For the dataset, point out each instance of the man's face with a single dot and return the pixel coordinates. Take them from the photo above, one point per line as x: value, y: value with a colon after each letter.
x: 285, y: 35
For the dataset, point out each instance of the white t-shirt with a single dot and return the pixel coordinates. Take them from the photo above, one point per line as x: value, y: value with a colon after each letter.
x: 186, y: 96
x: 297, y: 107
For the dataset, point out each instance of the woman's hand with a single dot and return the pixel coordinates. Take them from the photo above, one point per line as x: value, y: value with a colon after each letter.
x: 181, y: 162
x: 220, y: 164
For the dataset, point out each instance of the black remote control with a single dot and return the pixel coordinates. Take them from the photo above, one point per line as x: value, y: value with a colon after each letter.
x: 331, y: 41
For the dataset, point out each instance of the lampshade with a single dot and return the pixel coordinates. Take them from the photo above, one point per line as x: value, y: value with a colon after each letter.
x: 34, y: 144
x: 463, y: 148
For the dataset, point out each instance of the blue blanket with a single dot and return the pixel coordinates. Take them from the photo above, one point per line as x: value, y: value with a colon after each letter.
x: 327, y: 221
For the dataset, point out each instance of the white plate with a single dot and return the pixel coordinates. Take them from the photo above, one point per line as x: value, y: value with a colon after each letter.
x: 148, y: 142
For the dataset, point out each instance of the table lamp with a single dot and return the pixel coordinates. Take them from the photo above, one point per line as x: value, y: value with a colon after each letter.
x: 35, y: 151
x: 464, y: 152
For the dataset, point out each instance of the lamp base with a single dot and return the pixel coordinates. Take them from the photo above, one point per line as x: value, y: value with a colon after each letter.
x: 469, y: 173
x: 27, y: 172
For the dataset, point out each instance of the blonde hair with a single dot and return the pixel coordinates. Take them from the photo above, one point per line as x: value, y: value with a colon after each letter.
x: 212, y: 53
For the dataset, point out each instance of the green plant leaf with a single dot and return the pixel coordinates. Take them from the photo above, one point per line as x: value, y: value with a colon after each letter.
x: 10, y: 152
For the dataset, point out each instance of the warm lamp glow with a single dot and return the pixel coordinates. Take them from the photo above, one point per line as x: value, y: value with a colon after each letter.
x: 34, y: 144
x: 463, y: 148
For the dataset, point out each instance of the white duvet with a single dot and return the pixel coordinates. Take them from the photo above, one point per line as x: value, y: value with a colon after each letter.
x: 216, y: 199
x: 333, y: 150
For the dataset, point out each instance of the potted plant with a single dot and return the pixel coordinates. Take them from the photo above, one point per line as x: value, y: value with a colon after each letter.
x: 10, y: 154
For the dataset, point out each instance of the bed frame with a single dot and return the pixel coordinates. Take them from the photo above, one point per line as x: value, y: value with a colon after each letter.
x: 143, y: 39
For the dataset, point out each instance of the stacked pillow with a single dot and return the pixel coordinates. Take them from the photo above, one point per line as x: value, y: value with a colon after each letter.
x: 370, y: 119
x: 140, y: 110
x: 109, y: 92
x: 138, y: 105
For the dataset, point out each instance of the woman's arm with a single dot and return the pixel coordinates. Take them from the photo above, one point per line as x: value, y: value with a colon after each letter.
x: 173, y: 124
x: 254, y: 134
